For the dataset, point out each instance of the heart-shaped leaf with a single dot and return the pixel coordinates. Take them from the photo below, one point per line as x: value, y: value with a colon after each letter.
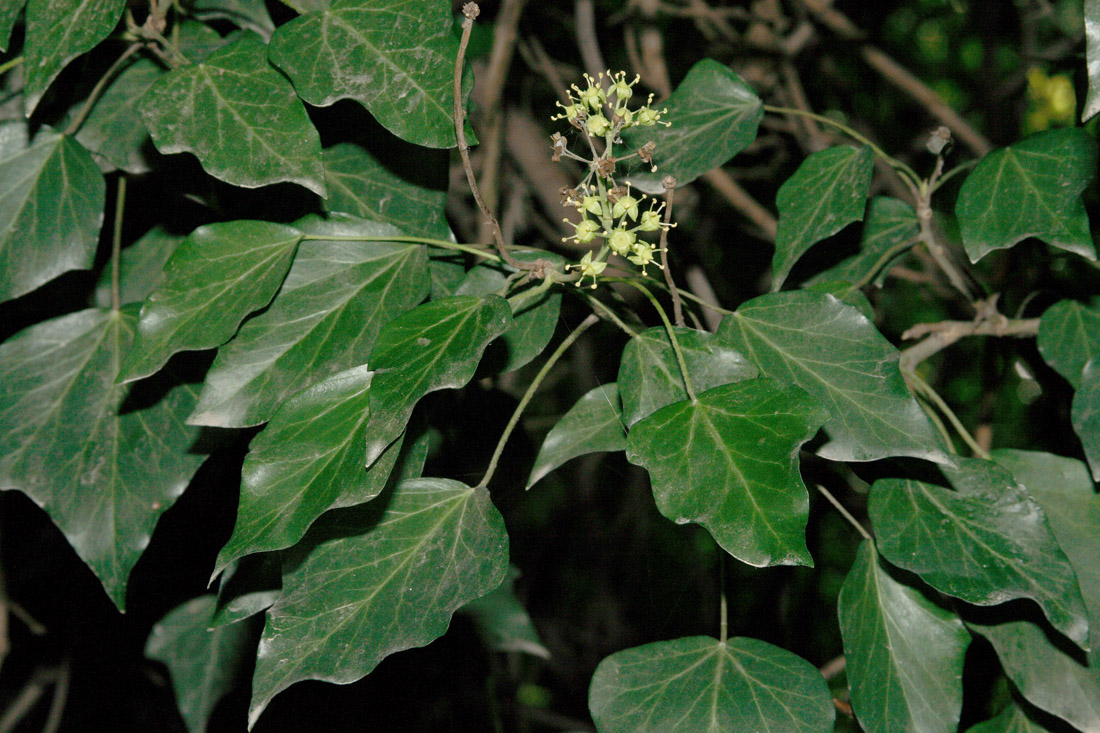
x: 51, y: 208
x: 713, y: 115
x: 987, y: 542
x: 104, y: 468
x: 395, y: 57
x: 729, y: 461
x: 336, y: 298
x: 220, y: 274
x: 889, y: 230
x: 702, y: 684
x: 825, y: 194
x: 1043, y: 176
x: 240, y: 118
x: 378, y: 580
x: 434, y: 346
x: 1069, y: 338
x: 832, y: 351
x: 904, y: 653
x: 592, y: 425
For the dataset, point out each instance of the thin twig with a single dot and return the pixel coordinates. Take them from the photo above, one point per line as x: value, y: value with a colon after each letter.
x: 97, y: 90
x: 60, y: 697
x: 944, y: 333
x: 845, y: 513
x: 116, y: 245
x: 10, y: 64
x: 589, y: 45
x: 677, y: 307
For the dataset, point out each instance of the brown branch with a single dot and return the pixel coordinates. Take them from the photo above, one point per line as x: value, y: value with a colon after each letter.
x: 587, y: 41
x: 944, y: 333
x: 677, y: 307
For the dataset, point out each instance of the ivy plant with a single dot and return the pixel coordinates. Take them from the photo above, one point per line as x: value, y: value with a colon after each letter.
x: 313, y: 304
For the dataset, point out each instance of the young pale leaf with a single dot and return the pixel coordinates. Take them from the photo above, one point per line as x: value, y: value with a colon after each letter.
x: 1092, y: 58
x: 113, y: 132
x: 714, y: 115
x: 729, y: 461
x: 9, y: 13
x: 503, y: 623
x: 1044, y: 674
x: 51, y: 208
x: 336, y: 298
x: 361, y: 186
x: 395, y: 57
x: 434, y: 346
x: 1030, y: 189
x: 381, y: 579
x: 889, y: 230
x: 650, y: 377
x: 534, y: 311
x: 308, y: 459
x: 825, y: 194
x: 592, y: 425
x: 700, y: 684
x: 1069, y: 338
x: 57, y: 32
x: 141, y: 270
x: 102, y: 467
x: 904, y: 652
x: 204, y: 662
x: 832, y: 351
x: 986, y: 543
x: 239, y: 117
x: 1085, y: 415
x: 212, y: 281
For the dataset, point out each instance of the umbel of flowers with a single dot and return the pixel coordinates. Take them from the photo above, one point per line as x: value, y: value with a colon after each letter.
x: 610, y: 214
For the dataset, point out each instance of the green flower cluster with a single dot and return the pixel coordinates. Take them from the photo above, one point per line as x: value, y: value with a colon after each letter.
x: 609, y: 212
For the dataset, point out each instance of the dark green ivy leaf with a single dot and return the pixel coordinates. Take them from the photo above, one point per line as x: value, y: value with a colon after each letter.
x: 729, y: 461
x: 102, y: 468
x: 1085, y: 415
x: 395, y: 57
x: 434, y: 346
x: 904, y: 652
x: 650, y: 377
x: 239, y: 117
x: 247, y: 14
x: 592, y: 425
x: 987, y: 542
x: 1069, y: 338
x: 369, y: 589
x: 142, y: 268
x: 832, y: 351
x: 698, y: 684
x: 503, y: 623
x: 1030, y: 189
x: 204, y: 662
x: 1013, y: 719
x: 113, y: 131
x: 9, y: 13
x: 889, y: 230
x: 714, y: 115
x: 51, y: 208
x: 57, y: 32
x: 213, y: 280
x: 825, y: 194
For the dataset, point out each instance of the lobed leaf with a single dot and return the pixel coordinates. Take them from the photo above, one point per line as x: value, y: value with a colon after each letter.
x: 592, y: 425
x: 239, y: 117
x: 1069, y: 338
x: 889, y: 229
x: 728, y: 460
x: 825, y: 194
x: 701, y: 684
x: 904, y: 652
x: 833, y: 352
x: 372, y: 586
x: 1030, y: 189
x: 212, y: 281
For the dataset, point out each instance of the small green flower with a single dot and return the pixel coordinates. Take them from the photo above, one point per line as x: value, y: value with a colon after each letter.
x: 647, y: 117
x: 651, y: 221
x: 622, y: 241
x: 586, y: 231
x: 597, y: 125
x: 569, y: 111
x: 627, y: 205
x: 621, y: 89
x: 643, y: 255
x: 589, y: 268
x: 592, y: 95
x: 592, y: 204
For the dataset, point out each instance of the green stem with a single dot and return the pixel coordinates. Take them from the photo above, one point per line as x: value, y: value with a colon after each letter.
x: 938, y: 423
x: 116, y: 245
x: 587, y: 323
x: 723, y: 603
x: 845, y: 513
x: 882, y: 261
x: 441, y: 243
x: 668, y: 327
x: 894, y: 163
x: 97, y: 90
x: 10, y: 64
x: 954, y: 171
x: 688, y: 295
x: 611, y: 315
x: 932, y: 396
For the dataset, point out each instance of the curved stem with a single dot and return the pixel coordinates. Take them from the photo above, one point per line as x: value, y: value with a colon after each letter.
x: 926, y: 391
x: 668, y: 328
x: 677, y: 306
x: 441, y: 243
x: 953, y: 172
x: 611, y: 315
x: 10, y: 64
x: 116, y: 244
x: 97, y: 90
x: 587, y: 323
x: 845, y: 513
x: 882, y: 262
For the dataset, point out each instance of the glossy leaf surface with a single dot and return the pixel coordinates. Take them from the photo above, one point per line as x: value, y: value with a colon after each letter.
x: 504, y: 623
x: 1069, y: 337
x: 51, y: 208
x: 57, y: 32
x: 204, y: 662
x: 9, y: 13
x: 395, y: 57
x: 434, y: 346
x: 1043, y: 176
x: 308, y: 459
x: 904, y: 653
x: 729, y: 461
x: 987, y: 542
x: 1085, y: 415
x: 1092, y: 58
x: 650, y: 377
x: 375, y: 584
x: 239, y: 117
x: 592, y: 425
x: 103, y: 477
x: 701, y: 684
x: 833, y: 352
x: 113, y: 131
x: 142, y: 268
x: 889, y: 229
x: 1013, y: 719
x: 248, y: 14
x: 714, y: 116
x: 336, y: 298
x: 212, y: 281
x: 825, y: 194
